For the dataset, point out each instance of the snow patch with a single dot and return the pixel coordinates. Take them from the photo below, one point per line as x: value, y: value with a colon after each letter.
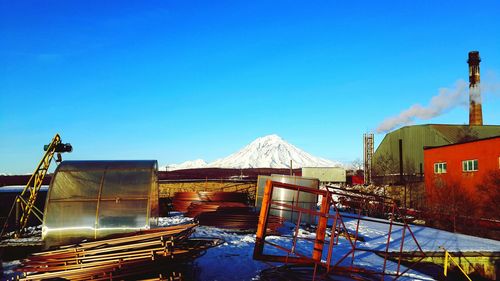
x: 19, y: 188
x: 174, y: 220
x: 9, y: 268
x: 233, y: 260
x: 193, y: 164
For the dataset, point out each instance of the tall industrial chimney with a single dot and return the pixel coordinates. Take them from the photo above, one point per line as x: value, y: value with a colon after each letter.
x: 475, y: 109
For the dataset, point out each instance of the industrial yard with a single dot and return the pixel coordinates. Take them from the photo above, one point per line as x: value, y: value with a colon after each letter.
x: 128, y: 220
x: 252, y: 141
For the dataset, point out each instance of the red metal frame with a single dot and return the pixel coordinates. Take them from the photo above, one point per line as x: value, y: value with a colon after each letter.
x: 330, y: 209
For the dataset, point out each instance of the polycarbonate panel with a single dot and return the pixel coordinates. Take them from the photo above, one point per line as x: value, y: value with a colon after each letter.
x: 286, y: 196
x: 71, y: 214
x: 101, y: 165
x: 134, y: 184
x: 93, y: 199
x: 75, y: 184
x: 123, y: 214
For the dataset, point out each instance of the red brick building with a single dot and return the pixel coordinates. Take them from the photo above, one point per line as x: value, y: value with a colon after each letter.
x: 466, y: 164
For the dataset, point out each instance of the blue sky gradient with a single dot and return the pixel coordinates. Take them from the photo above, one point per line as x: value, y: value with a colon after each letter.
x: 180, y: 80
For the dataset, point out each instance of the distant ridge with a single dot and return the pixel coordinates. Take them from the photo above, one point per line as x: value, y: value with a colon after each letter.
x: 194, y: 164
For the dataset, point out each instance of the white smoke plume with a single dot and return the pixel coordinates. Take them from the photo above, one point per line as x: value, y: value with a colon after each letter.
x: 445, y: 100
x: 490, y: 87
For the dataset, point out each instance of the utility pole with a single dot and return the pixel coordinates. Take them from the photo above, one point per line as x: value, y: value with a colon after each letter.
x: 367, y: 157
x: 401, y: 176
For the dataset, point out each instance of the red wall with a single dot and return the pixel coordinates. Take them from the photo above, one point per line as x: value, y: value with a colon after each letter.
x: 487, y: 152
x: 355, y: 180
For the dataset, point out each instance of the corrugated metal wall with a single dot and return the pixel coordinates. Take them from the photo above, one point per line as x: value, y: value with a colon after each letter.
x: 414, y: 139
x: 325, y: 174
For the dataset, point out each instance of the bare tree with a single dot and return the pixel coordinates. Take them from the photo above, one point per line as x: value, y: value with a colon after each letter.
x: 357, y: 164
x: 467, y: 133
x: 385, y: 165
x: 488, y: 193
x: 448, y: 201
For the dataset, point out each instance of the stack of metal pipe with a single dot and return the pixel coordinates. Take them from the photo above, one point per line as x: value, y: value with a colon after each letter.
x: 182, y: 200
x: 237, y: 218
x: 227, y: 210
x: 126, y: 257
x: 197, y: 208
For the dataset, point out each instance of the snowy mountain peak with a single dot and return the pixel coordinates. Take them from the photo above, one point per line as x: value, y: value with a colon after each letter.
x: 269, y: 138
x: 269, y: 151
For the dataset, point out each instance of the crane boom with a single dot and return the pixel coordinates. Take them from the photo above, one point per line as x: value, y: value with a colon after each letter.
x: 25, y: 202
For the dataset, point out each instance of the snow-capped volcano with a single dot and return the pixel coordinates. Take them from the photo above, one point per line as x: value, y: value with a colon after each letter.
x: 265, y: 152
x: 271, y: 152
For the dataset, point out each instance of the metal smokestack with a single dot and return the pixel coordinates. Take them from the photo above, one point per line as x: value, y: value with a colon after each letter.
x: 475, y: 109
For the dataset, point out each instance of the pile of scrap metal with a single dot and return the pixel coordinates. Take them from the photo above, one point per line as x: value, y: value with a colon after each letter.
x: 125, y: 257
x: 325, y: 257
x: 227, y: 210
x: 183, y: 200
x: 354, y: 201
x: 197, y: 208
x: 243, y: 219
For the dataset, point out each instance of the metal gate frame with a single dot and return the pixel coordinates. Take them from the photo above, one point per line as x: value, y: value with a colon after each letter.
x: 329, y: 209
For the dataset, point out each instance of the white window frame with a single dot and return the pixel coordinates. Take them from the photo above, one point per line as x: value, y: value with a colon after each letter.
x: 440, y: 168
x: 470, y: 165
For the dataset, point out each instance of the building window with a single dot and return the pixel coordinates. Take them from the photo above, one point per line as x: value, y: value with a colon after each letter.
x: 469, y: 165
x: 440, y: 168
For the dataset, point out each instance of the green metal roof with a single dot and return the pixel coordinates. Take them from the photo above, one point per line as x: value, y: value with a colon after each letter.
x: 416, y: 137
x: 452, y: 132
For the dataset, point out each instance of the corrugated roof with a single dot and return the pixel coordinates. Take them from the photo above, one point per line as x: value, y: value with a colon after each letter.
x: 416, y: 137
x: 470, y: 141
x: 452, y: 132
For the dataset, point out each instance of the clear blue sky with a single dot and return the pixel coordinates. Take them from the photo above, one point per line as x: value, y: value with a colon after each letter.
x: 180, y: 80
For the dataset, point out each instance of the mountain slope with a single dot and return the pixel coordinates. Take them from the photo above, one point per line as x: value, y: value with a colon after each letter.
x: 271, y: 152
x: 265, y: 152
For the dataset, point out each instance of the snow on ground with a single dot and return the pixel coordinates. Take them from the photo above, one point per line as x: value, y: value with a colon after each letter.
x: 233, y: 260
x: 173, y: 220
x: 8, y: 268
x: 366, y: 260
x: 430, y: 239
x: 230, y: 261
x: 19, y: 188
x: 30, y: 235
